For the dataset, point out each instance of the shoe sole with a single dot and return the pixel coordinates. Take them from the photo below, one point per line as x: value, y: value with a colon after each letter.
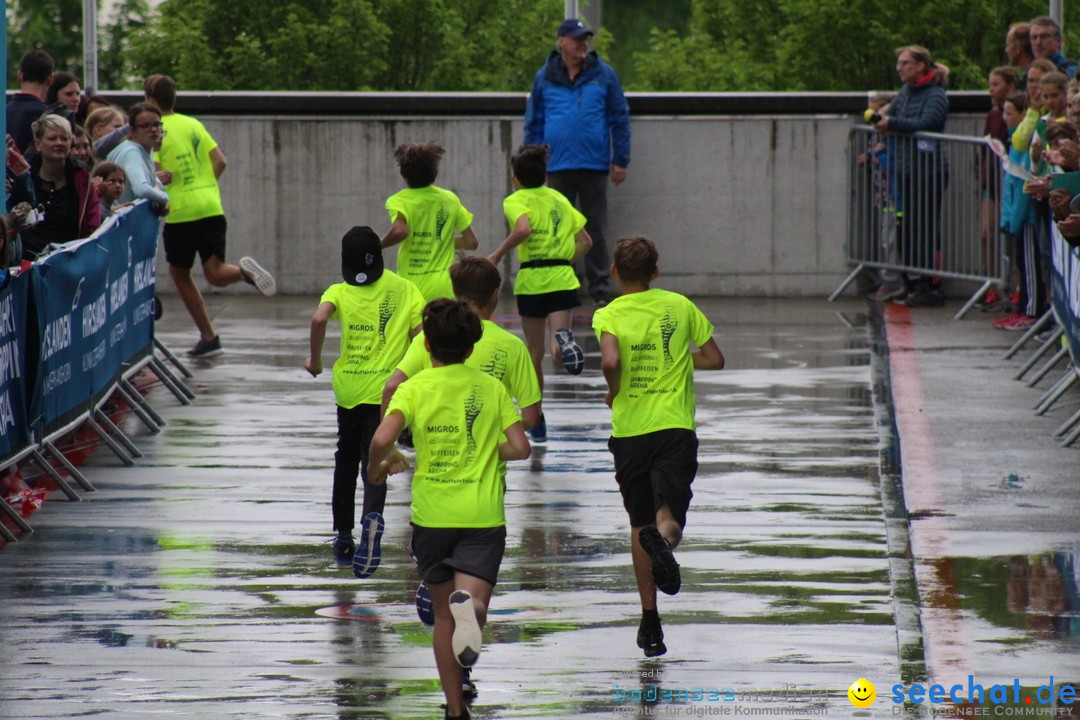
x: 467, y: 638
x: 573, y: 358
x: 264, y: 281
x: 368, y: 553
x: 665, y: 570
x: 425, y: 610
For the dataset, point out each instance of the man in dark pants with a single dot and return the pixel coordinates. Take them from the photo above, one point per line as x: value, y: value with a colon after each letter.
x: 578, y: 108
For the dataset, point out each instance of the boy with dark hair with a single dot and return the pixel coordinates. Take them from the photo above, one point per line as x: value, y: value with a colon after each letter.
x: 645, y: 338
x: 549, y: 234
x: 424, y: 219
x: 27, y: 105
x: 379, y: 313
x: 464, y: 423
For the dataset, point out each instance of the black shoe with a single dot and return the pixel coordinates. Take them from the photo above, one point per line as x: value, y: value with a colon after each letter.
x: 405, y: 438
x: 344, y: 548
x: 650, y: 638
x: 665, y: 570
x: 159, y: 309
x: 206, y: 348
x: 468, y: 687
x: 924, y: 296
x: 463, y: 716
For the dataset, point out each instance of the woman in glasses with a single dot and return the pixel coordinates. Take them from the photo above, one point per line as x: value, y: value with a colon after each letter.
x: 134, y: 155
x: 63, y: 190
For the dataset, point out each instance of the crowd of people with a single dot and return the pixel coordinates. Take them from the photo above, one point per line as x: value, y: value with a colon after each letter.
x: 1035, y: 116
x: 73, y: 160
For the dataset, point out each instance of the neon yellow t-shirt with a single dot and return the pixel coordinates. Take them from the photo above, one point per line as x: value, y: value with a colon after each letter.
x: 185, y: 152
x: 425, y: 256
x: 500, y: 354
x: 656, y: 382
x: 458, y: 416
x: 555, y: 223
x: 375, y: 323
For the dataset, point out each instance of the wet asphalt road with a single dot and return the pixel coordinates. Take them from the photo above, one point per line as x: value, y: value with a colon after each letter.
x: 199, y: 583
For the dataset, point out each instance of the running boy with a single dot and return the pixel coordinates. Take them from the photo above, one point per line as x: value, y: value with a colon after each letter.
x: 424, y: 218
x: 379, y: 313
x: 645, y: 338
x: 549, y: 234
x: 463, y: 424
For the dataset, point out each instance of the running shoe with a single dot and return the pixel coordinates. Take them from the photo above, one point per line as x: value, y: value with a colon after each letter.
x: 990, y: 298
x: 887, y: 291
x: 465, y: 715
x: 1017, y: 322
x: 468, y: 687
x: 665, y: 570
x: 923, y: 296
x: 538, y: 432
x: 467, y: 638
x: 344, y: 548
x: 366, y: 560
x: 425, y: 610
x: 206, y: 348
x: 405, y: 438
x: 255, y: 274
x: 573, y: 358
x: 650, y: 638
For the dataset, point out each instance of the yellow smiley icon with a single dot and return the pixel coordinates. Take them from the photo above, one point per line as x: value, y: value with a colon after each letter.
x: 862, y: 693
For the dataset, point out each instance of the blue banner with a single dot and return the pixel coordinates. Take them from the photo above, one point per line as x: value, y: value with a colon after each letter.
x: 14, y: 305
x: 94, y: 312
x: 1065, y: 281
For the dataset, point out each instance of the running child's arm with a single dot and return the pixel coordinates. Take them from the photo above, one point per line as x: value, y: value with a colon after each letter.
x: 218, y: 162
x: 530, y: 415
x: 521, y: 231
x: 322, y: 315
x: 582, y: 243
x: 385, y: 459
x: 610, y: 364
x: 516, y: 445
x: 466, y: 240
x: 708, y: 356
x: 390, y: 388
x: 397, y: 232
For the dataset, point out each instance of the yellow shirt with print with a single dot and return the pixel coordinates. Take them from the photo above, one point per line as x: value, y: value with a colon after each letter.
x: 656, y: 382
x: 375, y: 323
x: 185, y: 152
x: 458, y: 416
x: 434, y: 216
x: 555, y: 223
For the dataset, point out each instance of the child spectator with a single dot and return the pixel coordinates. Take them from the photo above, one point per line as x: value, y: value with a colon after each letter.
x: 645, y: 338
x: 1001, y: 82
x: 107, y: 128
x: 80, y: 149
x: 379, y: 312
x: 424, y: 219
x: 108, y: 178
x: 464, y: 424
x: 549, y: 234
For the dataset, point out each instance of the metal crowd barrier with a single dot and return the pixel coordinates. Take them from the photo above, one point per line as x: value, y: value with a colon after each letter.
x: 924, y: 204
x: 75, y: 329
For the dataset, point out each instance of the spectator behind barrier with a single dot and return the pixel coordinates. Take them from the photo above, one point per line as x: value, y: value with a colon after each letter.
x: 63, y: 97
x: 109, y: 180
x: 1018, y: 49
x: 1046, y: 43
x: 1000, y: 83
x: 26, y: 106
x: 63, y: 190
x: 107, y: 128
x: 89, y: 104
x: 134, y: 155
x: 80, y: 149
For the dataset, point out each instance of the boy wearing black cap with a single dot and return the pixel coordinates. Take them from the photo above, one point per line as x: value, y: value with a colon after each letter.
x: 379, y: 313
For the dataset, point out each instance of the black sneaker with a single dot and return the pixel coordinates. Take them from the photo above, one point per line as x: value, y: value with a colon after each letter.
x: 665, y: 570
x: 468, y: 687
x: 650, y: 638
x: 924, y: 296
x: 206, y: 348
x: 255, y: 274
x: 344, y: 548
x: 463, y: 716
x: 405, y: 438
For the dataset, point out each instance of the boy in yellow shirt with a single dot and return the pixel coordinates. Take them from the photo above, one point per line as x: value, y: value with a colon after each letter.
x: 424, y: 219
x: 549, y: 234
x: 645, y: 338
x: 464, y: 423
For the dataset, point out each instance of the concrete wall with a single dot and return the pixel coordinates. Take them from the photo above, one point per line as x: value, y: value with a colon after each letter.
x: 739, y: 205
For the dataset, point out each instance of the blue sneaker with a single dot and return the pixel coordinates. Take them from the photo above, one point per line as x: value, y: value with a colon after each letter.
x: 538, y: 432
x: 573, y: 359
x: 366, y: 560
x: 424, y: 608
x: 344, y: 548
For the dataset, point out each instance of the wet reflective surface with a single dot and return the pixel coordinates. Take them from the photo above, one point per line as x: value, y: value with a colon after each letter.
x: 200, y: 582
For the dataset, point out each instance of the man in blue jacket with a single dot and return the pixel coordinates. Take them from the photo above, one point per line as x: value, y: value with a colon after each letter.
x: 577, y: 107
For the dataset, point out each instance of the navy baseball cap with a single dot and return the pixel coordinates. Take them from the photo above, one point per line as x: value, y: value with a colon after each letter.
x: 572, y: 27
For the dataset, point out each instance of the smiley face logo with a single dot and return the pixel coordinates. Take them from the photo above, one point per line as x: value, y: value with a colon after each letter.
x: 862, y: 693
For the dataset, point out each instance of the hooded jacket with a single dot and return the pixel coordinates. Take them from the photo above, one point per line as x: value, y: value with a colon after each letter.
x: 585, y: 121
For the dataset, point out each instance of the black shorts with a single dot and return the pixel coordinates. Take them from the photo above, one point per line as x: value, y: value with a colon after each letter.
x: 542, y: 305
x: 654, y: 469
x: 183, y: 240
x: 440, y: 552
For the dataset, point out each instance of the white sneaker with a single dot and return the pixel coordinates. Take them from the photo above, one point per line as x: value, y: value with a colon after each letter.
x: 255, y: 274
